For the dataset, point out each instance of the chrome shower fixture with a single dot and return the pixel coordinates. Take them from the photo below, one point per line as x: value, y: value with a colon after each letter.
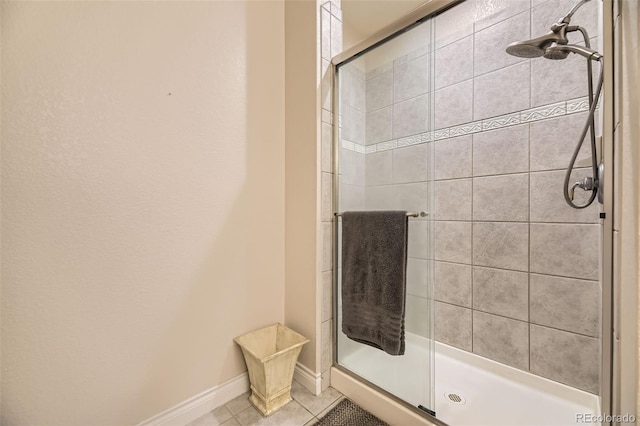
x: 555, y: 45
x: 537, y: 47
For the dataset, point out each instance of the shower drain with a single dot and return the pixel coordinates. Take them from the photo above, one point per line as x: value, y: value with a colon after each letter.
x: 454, y: 398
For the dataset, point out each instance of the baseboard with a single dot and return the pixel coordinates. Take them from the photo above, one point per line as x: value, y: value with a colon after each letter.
x: 308, y: 379
x: 199, y: 405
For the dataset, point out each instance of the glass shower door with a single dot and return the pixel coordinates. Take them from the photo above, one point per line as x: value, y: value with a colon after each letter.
x: 385, y: 163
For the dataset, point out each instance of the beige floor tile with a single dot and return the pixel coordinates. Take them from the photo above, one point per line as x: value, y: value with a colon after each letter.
x: 238, y: 404
x: 216, y: 417
x: 292, y: 414
x: 249, y: 417
x: 315, y: 404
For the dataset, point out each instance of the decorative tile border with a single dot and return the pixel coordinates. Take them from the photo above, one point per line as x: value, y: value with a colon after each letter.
x: 541, y: 113
x: 577, y: 105
x: 527, y: 116
x: 441, y: 134
x: 465, y: 129
x: 501, y: 121
x: 408, y: 141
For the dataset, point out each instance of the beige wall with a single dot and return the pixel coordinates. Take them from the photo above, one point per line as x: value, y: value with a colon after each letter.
x: 143, y: 195
x: 301, y: 170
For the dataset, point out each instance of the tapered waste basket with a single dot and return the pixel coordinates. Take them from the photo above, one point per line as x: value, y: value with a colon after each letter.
x: 271, y: 354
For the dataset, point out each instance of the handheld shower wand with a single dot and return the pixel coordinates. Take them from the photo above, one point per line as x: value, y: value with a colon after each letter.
x: 555, y: 45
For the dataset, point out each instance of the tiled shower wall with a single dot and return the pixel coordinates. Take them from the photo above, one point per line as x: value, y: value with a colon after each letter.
x: 516, y: 269
x: 330, y: 45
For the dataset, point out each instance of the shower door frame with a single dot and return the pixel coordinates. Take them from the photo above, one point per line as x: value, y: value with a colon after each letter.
x: 607, y: 402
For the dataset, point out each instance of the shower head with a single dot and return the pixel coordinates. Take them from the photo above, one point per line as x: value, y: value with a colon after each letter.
x: 537, y: 47
x: 562, y: 51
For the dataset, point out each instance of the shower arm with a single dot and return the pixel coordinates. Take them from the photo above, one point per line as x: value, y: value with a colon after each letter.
x: 574, y: 9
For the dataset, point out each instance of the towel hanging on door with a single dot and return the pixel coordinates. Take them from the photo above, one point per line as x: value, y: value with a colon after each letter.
x: 374, y: 265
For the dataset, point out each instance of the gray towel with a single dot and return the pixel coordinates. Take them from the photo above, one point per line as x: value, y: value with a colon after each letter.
x: 374, y: 265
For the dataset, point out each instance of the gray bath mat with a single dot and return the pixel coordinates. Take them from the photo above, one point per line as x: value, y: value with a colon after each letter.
x: 347, y: 413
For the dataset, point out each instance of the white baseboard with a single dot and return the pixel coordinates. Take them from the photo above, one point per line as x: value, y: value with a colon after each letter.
x: 199, y: 405
x: 307, y: 378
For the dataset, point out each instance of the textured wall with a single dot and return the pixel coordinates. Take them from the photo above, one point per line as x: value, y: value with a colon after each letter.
x: 301, y: 181
x: 143, y: 202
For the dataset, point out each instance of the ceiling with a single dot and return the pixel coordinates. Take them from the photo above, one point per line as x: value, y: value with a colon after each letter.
x: 365, y: 17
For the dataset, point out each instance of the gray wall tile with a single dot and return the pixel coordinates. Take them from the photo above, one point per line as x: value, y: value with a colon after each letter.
x: 379, y: 91
x: 455, y: 23
x: 411, y: 164
x: 352, y: 197
x: 417, y: 273
x: 327, y: 246
x: 567, y: 304
x: 454, y: 104
x: 327, y: 295
x: 418, y: 244
x: 454, y: 63
x: 512, y: 144
x: 501, y: 92
x: 501, y: 339
x: 379, y: 168
x: 326, y: 355
x: 453, y: 325
x: 380, y: 197
x: 327, y: 197
x: 547, y: 199
x: 410, y: 117
x: 352, y: 167
x: 553, y: 142
x: 493, y: 11
x: 378, y: 126
x: 327, y: 147
x: 453, y: 241
x: 326, y: 83
x: 352, y: 88
x: 411, y: 79
x: 565, y: 357
x: 501, y: 245
x: 501, y: 198
x: 501, y: 292
x: 489, y: 52
x: 411, y: 197
x: 565, y: 249
x: 336, y: 36
x: 353, y: 125
x: 554, y: 81
x: 453, y: 158
x: 452, y: 199
x: 417, y: 316
x: 452, y: 283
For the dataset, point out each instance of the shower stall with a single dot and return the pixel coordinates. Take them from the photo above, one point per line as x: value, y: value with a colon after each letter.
x: 506, y: 311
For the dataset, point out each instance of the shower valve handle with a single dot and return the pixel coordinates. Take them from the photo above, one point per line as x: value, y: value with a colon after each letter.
x: 587, y: 184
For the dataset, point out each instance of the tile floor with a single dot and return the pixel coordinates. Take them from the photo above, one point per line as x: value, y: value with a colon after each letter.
x: 304, y: 410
